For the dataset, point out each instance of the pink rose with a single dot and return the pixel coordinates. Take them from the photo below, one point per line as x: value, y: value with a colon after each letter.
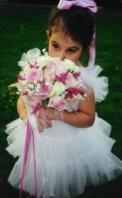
x: 71, y: 81
x: 62, y: 77
x: 34, y: 75
x: 44, y: 90
x: 74, y: 91
x: 60, y: 67
x: 49, y: 73
x: 58, y: 103
x: 76, y: 75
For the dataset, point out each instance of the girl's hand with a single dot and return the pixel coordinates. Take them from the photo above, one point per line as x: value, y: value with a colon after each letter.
x: 43, y: 120
x: 45, y: 116
x: 54, y: 114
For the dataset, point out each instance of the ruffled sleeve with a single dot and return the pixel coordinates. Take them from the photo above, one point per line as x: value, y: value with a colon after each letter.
x: 90, y: 75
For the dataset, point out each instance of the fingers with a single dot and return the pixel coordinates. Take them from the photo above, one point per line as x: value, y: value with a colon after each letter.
x: 42, y: 125
x: 43, y: 120
x: 43, y: 113
x: 49, y: 124
x: 55, y: 115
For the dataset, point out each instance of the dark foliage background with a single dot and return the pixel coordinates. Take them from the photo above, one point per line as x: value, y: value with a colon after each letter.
x: 106, y: 3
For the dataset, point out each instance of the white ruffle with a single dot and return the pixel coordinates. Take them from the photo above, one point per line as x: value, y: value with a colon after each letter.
x: 66, y: 158
x: 90, y: 76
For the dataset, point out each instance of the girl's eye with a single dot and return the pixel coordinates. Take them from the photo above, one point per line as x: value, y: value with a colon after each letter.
x: 55, y: 46
x: 71, y: 50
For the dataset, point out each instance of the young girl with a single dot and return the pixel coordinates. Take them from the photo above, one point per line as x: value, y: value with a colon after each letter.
x: 75, y: 148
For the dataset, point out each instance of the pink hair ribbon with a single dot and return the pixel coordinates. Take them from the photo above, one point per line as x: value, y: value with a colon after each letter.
x: 65, y: 4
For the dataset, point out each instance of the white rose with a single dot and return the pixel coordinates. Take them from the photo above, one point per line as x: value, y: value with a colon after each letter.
x: 21, y: 87
x: 57, y: 89
x: 31, y: 56
x: 43, y: 61
x: 71, y: 65
x: 23, y: 61
x: 26, y: 69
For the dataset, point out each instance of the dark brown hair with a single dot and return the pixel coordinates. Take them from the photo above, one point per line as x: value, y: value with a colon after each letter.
x: 77, y: 22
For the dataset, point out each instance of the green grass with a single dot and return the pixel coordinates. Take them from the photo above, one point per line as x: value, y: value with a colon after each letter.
x: 22, y: 29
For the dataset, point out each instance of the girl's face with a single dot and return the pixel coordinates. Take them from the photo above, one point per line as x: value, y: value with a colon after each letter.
x: 62, y: 46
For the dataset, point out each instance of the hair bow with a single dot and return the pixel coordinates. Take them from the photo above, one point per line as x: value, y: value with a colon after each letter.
x: 65, y: 4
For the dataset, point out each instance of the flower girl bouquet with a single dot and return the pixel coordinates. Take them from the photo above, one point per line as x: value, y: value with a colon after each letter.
x: 49, y: 81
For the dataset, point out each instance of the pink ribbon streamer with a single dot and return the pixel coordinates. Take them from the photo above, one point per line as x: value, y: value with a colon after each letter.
x: 92, y: 51
x: 29, y: 135
x: 65, y: 4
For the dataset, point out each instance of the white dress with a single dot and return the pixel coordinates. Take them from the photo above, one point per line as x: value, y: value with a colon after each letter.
x: 67, y: 158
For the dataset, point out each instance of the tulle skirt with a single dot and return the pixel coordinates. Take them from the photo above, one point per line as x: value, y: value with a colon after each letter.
x: 67, y: 158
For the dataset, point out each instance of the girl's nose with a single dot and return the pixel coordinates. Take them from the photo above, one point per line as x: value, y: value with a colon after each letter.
x: 62, y: 55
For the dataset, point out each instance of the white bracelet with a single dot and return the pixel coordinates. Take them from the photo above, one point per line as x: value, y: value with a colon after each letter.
x: 58, y: 114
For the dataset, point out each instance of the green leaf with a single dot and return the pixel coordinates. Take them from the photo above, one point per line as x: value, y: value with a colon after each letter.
x: 45, y: 102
